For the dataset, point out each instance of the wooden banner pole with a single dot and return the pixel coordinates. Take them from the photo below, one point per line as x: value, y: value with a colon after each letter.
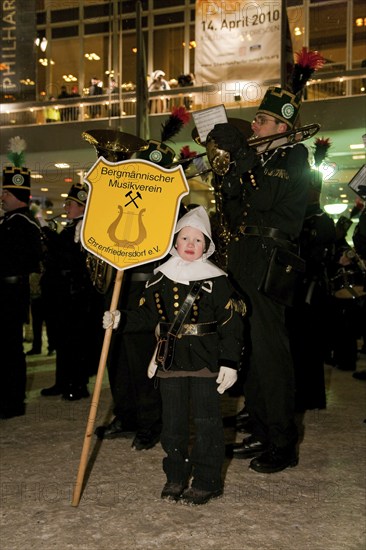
x: 96, y: 394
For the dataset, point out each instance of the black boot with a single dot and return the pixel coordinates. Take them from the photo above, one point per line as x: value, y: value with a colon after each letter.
x: 117, y: 428
x: 275, y: 459
x: 53, y: 390
x: 145, y: 439
x: 74, y: 393
x: 248, y: 448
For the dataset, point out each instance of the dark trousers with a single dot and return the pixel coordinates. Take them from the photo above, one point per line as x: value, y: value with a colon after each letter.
x: 39, y: 315
x: 75, y: 338
x: 347, y: 320
x: 206, y: 458
x: 306, y: 328
x: 14, y: 301
x: 137, y: 401
x: 270, y: 387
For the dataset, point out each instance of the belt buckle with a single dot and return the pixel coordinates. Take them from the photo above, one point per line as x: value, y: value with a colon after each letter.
x: 190, y: 329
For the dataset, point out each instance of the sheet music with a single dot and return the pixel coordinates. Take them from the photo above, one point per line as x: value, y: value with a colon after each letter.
x: 206, y: 119
x: 358, y: 182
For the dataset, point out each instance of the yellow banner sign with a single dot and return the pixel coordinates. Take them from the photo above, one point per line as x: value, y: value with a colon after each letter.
x: 131, y: 211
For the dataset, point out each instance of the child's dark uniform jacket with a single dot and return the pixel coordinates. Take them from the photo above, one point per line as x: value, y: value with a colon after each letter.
x: 214, y: 320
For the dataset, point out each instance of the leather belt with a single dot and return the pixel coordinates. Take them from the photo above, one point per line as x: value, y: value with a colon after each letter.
x: 257, y: 231
x: 141, y: 277
x: 190, y: 329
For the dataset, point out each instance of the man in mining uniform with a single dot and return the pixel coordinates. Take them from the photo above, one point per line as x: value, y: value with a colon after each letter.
x: 265, y: 198
x: 20, y: 253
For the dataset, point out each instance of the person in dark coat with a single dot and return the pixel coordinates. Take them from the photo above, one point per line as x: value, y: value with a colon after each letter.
x: 359, y: 241
x: 95, y: 89
x: 20, y: 253
x: 67, y: 284
x: 264, y: 200
x: 345, y: 303
x: 203, y: 364
x: 136, y: 400
x: 309, y: 318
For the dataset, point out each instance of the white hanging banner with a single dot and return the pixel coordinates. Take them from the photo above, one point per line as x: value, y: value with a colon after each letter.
x: 237, y: 41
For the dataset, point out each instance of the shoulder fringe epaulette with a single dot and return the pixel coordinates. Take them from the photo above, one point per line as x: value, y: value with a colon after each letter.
x: 238, y: 305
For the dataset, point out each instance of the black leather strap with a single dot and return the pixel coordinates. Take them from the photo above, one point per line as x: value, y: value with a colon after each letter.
x: 271, y: 232
x: 166, y: 352
x: 184, y: 310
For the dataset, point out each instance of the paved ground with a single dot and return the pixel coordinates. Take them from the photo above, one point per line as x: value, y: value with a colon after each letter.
x: 318, y: 505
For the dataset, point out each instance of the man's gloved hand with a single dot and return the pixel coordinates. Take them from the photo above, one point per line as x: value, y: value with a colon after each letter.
x: 229, y: 138
x: 111, y: 319
x: 226, y: 378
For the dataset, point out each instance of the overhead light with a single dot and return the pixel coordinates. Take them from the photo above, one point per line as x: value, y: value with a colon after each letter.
x: 337, y: 208
x: 64, y: 195
x: 69, y: 78
x: 357, y: 146
x: 41, y: 43
x: 92, y: 56
x: 49, y: 211
x: 360, y: 21
x: 36, y: 176
x: 45, y: 189
x: 44, y: 61
x: 62, y: 165
x: 358, y: 157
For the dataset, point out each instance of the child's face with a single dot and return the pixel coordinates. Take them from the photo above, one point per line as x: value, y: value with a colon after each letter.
x: 190, y: 244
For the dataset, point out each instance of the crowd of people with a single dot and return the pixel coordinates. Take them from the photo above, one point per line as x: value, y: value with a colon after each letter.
x: 70, y: 111
x: 202, y: 316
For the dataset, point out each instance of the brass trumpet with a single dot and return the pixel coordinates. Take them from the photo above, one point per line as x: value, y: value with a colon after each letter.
x: 296, y: 135
x: 220, y: 160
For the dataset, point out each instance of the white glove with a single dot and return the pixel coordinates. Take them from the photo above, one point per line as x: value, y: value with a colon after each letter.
x: 78, y: 231
x: 226, y: 378
x: 111, y: 319
x: 151, y: 369
x: 40, y: 218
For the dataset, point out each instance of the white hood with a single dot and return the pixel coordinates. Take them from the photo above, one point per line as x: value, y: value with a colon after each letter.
x: 182, y: 271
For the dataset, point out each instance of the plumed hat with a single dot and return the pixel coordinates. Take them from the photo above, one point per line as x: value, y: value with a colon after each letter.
x: 16, y: 177
x: 284, y: 104
x: 78, y: 193
x: 281, y: 104
x: 158, y: 151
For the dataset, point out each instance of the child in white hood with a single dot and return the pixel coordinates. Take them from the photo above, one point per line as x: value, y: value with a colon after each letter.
x: 198, y: 360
